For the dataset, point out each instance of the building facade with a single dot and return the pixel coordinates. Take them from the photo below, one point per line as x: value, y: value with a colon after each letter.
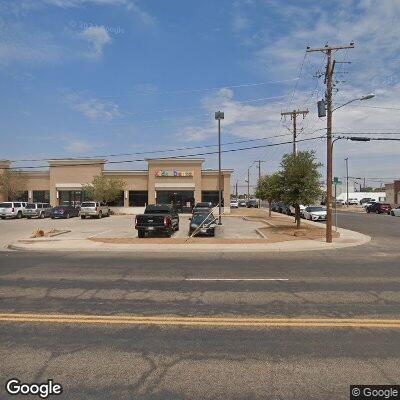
x: 182, y: 182
x: 393, y: 193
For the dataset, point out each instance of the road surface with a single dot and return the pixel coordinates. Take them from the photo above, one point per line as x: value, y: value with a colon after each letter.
x: 212, y: 344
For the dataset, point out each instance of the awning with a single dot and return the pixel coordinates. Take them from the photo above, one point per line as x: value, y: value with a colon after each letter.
x: 68, y: 186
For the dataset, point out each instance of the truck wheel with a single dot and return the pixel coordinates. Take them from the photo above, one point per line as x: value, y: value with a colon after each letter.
x: 41, y: 216
x: 83, y: 217
x: 141, y: 233
x: 100, y: 216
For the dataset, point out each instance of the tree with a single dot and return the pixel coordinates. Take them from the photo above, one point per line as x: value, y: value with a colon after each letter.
x: 300, y: 180
x: 269, y: 188
x: 104, y: 189
x: 12, y: 183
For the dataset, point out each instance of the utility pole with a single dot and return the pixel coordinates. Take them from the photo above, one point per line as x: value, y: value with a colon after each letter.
x: 347, y: 180
x: 293, y: 115
x: 259, y: 177
x: 236, y: 191
x: 218, y: 116
x: 328, y: 97
x: 248, y: 183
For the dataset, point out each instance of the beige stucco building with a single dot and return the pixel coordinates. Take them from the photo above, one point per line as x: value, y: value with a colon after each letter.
x: 183, y: 182
x: 393, y: 193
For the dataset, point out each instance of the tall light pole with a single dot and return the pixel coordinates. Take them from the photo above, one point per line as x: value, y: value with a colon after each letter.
x: 347, y: 180
x: 218, y: 116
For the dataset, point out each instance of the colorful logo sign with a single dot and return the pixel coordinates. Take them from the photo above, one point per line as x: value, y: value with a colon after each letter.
x: 175, y: 172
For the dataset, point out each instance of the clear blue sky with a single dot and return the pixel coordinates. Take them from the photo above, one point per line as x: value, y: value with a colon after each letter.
x: 95, y: 77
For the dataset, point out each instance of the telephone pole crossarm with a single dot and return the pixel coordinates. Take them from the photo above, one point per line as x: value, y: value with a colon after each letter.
x: 293, y: 115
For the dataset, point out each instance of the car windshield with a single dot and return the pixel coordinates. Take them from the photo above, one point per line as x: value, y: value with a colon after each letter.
x: 5, y: 205
x: 31, y: 206
x: 313, y: 209
x: 199, y: 218
x: 87, y: 204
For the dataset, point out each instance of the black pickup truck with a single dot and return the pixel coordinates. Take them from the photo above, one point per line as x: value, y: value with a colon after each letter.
x: 157, y: 218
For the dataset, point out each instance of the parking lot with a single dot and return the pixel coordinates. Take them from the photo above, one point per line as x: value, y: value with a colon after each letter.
x: 116, y: 226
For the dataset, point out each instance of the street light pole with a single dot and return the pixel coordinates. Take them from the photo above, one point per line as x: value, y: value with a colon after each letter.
x: 347, y: 180
x: 218, y: 116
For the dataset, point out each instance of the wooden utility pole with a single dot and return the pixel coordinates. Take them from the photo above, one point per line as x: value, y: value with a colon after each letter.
x: 328, y: 98
x: 293, y: 115
x: 236, y: 191
x: 259, y: 177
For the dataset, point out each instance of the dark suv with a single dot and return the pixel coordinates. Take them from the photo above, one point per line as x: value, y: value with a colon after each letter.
x: 379, y: 208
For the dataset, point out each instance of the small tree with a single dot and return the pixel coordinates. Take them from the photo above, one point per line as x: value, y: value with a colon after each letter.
x: 269, y: 188
x: 12, y: 183
x: 300, y: 180
x: 104, y: 189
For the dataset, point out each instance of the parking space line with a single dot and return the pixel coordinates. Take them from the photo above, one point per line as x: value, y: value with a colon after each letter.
x: 100, y: 233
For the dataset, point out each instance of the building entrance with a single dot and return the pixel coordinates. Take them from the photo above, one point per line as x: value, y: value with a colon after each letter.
x: 183, y: 201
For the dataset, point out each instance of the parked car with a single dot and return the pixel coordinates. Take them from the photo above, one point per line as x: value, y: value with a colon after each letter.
x: 293, y: 211
x: 242, y: 203
x: 94, y: 209
x: 11, y: 209
x: 64, y: 212
x: 315, y: 213
x: 379, y: 208
x: 37, y: 210
x: 286, y: 209
x: 366, y: 205
x: 157, y: 218
x: 203, y: 224
x: 352, y: 202
x: 234, y: 204
x: 395, y: 212
x: 204, y: 207
x: 275, y: 206
x: 366, y: 200
x: 252, y: 203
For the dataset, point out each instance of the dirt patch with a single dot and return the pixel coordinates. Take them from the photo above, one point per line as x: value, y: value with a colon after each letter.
x: 247, y: 212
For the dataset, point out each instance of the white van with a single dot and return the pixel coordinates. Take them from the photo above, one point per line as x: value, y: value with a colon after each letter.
x: 11, y: 209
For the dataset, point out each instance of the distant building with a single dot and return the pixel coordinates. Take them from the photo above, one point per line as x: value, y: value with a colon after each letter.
x: 377, y: 196
x: 179, y: 181
x: 393, y: 193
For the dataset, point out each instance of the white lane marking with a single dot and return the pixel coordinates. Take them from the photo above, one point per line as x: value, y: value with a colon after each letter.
x: 236, y: 279
x: 100, y: 233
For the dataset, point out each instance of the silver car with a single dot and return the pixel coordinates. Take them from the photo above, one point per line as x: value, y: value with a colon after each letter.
x: 94, y: 209
x: 11, y: 209
x: 37, y: 210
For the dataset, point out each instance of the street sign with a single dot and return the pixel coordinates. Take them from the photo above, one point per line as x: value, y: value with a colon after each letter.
x: 336, y: 181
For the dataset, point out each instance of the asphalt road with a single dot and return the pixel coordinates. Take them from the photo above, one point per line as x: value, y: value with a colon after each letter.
x: 112, y: 361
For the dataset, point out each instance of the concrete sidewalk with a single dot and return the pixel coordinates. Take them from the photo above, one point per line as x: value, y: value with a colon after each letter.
x: 347, y: 239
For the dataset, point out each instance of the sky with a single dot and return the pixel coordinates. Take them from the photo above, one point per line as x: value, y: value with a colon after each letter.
x: 84, y: 78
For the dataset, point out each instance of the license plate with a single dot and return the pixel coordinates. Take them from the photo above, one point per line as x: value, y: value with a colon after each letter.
x: 150, y: 228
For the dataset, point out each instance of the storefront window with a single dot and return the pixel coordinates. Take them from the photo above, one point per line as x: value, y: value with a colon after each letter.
x: 41, y: 196
x: 118, y: 201
x: 23, y: 196
x: 138, y: 198
x: 212, y: 196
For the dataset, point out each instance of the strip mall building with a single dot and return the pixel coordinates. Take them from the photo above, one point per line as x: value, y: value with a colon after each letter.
x: 182, y: 182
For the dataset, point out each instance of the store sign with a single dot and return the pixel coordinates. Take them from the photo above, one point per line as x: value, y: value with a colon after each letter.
x: 163, y: 172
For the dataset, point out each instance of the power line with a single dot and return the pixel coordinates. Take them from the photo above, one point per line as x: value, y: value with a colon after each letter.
x: 204, y: 89
x: 177, y: 156
x: 154, y: 151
